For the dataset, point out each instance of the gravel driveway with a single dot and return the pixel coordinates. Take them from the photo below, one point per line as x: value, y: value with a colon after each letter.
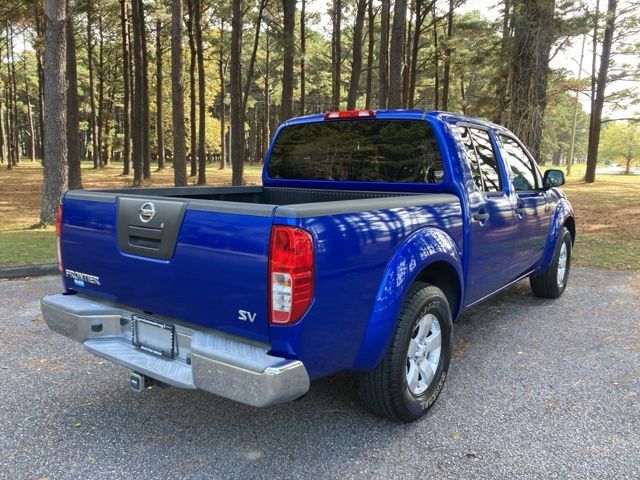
x: 537, y: 389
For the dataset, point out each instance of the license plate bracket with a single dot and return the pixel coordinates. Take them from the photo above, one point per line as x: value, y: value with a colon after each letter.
x: 153, y: 336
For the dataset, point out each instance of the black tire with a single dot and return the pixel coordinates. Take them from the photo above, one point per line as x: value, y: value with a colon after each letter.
x: 385, y: 390
x: 546, y: 284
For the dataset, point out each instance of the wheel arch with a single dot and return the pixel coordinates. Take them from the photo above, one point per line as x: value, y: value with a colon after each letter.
x: 441, y: 274
x: 570, y: 223
x: 429, y: 255
x: 563, y: 217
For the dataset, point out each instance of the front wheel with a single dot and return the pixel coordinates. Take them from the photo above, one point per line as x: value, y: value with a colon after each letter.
x: 553, y: 281
x: 412, y: 372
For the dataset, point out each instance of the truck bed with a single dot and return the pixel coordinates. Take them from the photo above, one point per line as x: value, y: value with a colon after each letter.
x: 259, y: 200
x: 255, y: 194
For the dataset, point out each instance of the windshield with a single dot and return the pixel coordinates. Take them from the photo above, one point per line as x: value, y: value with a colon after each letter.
x: 358, y: 150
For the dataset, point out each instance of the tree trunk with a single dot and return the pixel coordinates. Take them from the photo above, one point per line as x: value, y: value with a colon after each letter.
x: 252, y: 59
x: 533, y: 36
x: 594, y: 59
x: 55, y: 87
x: 202, y: 107
x: 146, y: 128
x: 601, y: 83
x: 32, y: 133
x: 107, y: 144
x: 12, y: 117
x: 159, y: 97
x: 126, y: 72
x: 177, y: 95
x: 336, y: 53
x: 193, y: 130
x: 371, y: 28
x: 356, y: 65
x: 384, y: 53
x: 223, y: 94
x: 406, y: 72
x: 7, y: 97
x: 289, y: 11
x: 249, y: 80
x: 73, y: 110
x: 14, y: 102
x: 396, y: 55
x: 415, y: 49
x: 576, y: 105
x: 447, y: 59
x: 93, y: 117
x: 503, y: 79
x: 267, y: 97
x: 138, y: 92
x: 101, y: 83
x: 41, y: 102
x: 237, y: 125
x: 303, y: 52
x: 436, y: 61
x: 3, y: 137
x: 9, y: 132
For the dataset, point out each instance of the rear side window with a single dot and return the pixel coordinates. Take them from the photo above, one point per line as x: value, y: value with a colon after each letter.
x: 358, y: 150
x: 472, y: 158
x: 482, y: 159
x: 523, y: 171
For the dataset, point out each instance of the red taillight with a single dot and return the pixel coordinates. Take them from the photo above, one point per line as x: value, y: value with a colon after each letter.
x: 291, y: 266
x: 350, y: 114
x: 59, y: 234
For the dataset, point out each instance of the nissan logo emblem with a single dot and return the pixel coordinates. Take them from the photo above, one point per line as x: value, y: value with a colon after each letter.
x: 147, y: 212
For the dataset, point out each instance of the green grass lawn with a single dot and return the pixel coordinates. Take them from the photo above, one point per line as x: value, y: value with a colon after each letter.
x: 607, y: 221
x: 23, y: 247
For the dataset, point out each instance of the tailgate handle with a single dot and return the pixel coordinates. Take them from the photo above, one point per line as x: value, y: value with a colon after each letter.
x: 145, y: 237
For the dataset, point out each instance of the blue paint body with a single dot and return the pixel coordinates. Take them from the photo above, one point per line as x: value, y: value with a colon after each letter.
x: 365, y: 262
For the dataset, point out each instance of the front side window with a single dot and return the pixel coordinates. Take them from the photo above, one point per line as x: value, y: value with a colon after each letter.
x: 358, y: 150
x: 523, y: 171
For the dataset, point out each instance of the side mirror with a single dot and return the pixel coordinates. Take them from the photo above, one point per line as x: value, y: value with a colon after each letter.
x: 553, y: 178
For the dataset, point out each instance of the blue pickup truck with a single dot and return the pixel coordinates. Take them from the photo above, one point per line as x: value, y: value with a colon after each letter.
x: 371, y: 232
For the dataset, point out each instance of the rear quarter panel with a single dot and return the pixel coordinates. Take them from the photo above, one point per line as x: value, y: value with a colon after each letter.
x: 354, y: 253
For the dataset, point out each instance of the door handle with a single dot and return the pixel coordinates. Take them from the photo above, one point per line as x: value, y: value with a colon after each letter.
x: 481, y: 216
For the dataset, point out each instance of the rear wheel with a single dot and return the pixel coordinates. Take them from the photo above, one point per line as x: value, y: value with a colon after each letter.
x: 553, y: 281
x: 412, y: 372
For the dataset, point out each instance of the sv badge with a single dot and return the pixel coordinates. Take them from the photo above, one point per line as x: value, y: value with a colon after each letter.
x: 244, y: 315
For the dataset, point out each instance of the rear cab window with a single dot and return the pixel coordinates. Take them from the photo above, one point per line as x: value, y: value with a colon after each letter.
x: 371, y: 150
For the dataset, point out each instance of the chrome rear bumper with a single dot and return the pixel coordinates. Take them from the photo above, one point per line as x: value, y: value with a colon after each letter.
x: 207, y: 360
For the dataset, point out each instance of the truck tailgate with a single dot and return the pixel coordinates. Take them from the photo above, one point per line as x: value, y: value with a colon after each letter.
x: 176, y: 258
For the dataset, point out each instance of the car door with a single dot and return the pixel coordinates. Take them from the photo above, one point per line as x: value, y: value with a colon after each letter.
x: 491, y: 216
x: 531, y: 203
